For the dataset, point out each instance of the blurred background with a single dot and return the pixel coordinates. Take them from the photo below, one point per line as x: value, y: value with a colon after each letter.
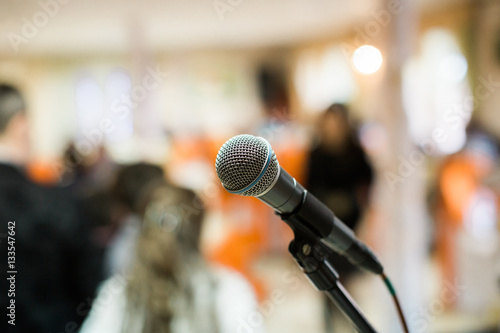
x: 168, y: 82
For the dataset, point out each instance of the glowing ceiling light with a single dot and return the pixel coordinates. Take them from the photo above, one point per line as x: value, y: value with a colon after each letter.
x: 367, y: 59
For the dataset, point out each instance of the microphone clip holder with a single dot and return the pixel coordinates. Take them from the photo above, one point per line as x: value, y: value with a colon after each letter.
x: 314, y: 258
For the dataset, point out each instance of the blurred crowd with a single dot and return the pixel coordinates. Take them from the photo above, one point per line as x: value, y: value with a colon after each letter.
x: 105, y: 247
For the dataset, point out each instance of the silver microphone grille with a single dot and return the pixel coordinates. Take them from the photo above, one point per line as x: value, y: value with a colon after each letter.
x: 246, y: 165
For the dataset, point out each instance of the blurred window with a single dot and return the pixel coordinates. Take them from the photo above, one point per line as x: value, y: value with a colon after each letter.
x: 323, y: 78
x: 437, y: 97
x: 104, y: 112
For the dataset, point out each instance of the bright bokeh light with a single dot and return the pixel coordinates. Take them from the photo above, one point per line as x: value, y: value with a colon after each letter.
x: 437, y: 97
x: 367, y: 59
x: 453, y: 67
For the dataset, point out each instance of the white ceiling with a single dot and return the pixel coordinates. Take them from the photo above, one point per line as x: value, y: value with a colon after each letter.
x: 111, y: 26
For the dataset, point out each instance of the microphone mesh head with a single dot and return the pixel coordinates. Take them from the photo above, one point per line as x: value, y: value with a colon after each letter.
x: 242, y: 160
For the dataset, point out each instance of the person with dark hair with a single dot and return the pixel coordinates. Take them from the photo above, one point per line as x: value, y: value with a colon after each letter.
x: 338, y: 171
x: 129, y: 183
x: 48, y: 249
x: 14, y: 136
x: 170, y: 288
x: 131, y: 178
x: 339, y: 175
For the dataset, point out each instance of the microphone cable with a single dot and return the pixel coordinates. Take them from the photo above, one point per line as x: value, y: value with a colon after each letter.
x: 392, y: 291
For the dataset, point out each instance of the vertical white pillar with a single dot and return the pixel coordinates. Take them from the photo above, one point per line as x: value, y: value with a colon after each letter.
x: 400, y: 189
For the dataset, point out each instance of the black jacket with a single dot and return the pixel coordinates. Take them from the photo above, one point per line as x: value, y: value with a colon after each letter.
x: 335, y: 178
x: 57, y: 270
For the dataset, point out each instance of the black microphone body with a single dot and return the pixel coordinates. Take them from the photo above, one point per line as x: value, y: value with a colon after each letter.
x: 297, y: 205
x: 247, y: 165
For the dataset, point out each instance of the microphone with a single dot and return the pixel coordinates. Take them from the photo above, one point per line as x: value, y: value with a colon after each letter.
x: 247, y: 165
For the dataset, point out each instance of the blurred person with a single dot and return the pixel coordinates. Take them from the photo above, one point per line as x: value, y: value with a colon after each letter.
x: 339, y: 175
x: 87, y: 178
x: 170, y: 287
x: 48, y: 248
x: 75, y: 171
x: 338, y: 171
x: 130, y: 181
x: 105, y: 216
x: 466, y: 235
x: 85, y: 175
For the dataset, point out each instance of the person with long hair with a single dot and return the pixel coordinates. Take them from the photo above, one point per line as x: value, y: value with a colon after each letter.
x: 170, y: 288
x: 340, y: 175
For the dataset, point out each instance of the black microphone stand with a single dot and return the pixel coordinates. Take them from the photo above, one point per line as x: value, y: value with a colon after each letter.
x: 314, y: 258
